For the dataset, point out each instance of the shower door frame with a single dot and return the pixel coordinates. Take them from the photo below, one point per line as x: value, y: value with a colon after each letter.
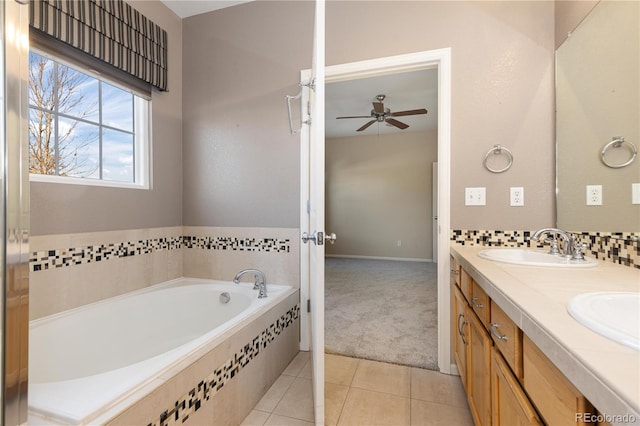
x: 15, y: 211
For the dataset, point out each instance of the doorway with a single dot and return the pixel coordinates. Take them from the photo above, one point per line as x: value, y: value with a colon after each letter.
x: 440, y: 59
x: 380, y: 278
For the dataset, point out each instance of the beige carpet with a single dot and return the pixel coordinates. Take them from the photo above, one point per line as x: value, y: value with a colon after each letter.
x: 382, y: 310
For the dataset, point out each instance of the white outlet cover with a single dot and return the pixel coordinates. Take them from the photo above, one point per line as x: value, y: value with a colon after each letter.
x: 635, y: 193
x: 516, y: 196
x: 594, y: 195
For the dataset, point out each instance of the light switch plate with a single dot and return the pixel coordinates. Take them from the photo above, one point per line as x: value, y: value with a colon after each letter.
x: 635, y: 193
x: 475, y: 196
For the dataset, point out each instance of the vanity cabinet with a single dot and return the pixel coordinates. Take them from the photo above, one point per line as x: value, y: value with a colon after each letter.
x: 507, y: 379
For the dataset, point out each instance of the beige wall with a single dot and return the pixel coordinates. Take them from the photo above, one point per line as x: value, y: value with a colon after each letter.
x: 59, y: 209
x: 378, y: 191
x: 240, y: 62
x: 568, y: 14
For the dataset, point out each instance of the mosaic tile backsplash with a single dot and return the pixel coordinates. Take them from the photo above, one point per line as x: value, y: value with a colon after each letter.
x: 208, y: 387
x: 622, y: 248
x: 60, y: 258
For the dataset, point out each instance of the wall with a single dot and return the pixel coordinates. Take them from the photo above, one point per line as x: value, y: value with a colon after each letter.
x: 379, y: 191
x: 59, y: 209
x: 568, y: 14
x: 242, y: 166
x: 241, y: 61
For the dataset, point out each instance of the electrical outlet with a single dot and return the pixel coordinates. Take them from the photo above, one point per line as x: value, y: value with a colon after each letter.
x: 635, y: 193
x: 594, y: 195
x: 517, y: 196
x: 475, y: 196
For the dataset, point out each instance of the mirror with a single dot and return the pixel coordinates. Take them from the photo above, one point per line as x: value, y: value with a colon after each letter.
x: 598, y: 100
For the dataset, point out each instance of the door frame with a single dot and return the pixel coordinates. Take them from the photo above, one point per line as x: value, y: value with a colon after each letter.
x: 440, y: 59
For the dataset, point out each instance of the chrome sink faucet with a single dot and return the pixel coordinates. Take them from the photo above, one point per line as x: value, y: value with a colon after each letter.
x: 260, y: 283
x: 570, y: 248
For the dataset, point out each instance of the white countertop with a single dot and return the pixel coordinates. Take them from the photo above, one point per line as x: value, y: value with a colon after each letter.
x: 536, y: 298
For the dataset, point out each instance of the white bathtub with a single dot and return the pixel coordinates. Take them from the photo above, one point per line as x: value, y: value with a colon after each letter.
x: 83, y: 361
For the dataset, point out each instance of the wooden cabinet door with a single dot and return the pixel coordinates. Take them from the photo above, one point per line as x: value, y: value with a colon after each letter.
x: 460, y: 333
x: 478, y: 371
x: 509, y: 404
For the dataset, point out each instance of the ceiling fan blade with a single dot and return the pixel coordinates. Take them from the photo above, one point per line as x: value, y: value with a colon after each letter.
x: 378, y: 107
x: 355, y: 116
x: 366, y: 125
x: 397, y: 123
x: 409, y: 112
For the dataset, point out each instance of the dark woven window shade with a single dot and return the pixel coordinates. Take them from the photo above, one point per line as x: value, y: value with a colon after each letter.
x: 109, y: 30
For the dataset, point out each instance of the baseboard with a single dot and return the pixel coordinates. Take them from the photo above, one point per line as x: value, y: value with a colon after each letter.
x: 401, y: 259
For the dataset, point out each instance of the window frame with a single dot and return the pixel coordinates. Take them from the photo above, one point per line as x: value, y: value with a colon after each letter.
x: 141, y: 134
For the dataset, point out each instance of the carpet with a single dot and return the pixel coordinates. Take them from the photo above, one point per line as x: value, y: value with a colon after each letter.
x: 382, y: 310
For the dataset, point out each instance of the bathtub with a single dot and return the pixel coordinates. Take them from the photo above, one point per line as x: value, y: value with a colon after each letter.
x: 84, y: 361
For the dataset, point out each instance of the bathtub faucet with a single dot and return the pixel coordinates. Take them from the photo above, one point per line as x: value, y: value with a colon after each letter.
x: 260, y: 283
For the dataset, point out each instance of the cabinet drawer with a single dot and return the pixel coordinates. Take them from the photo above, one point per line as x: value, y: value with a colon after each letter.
x: 507, y: 337
x: 556, y: 399
x: 465, y: 283
x: 481, y: 304
x: 455, y: 271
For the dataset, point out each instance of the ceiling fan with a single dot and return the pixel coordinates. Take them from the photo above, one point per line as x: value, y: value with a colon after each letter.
x: 381, y: 114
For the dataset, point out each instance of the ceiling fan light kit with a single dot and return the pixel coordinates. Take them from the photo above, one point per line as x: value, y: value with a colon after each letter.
x: 381, y: 114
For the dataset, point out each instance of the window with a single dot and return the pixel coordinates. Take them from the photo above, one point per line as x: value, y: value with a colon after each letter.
x: 84, y: 129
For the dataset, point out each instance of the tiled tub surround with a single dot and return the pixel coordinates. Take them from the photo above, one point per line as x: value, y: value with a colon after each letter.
x: 622, y: 248
x: 72, y: 270
x: 536, y: 300
x: 265, y: 334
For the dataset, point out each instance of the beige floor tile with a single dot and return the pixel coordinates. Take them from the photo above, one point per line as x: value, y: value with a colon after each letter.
x: 298, y: 401
x: 305, y: 373
x: 334, y: 399
x: 339, y: 369
x: 255, y: 418
x: 364, y: 407
x: 275, y: 393
x: 424, y: 413
x: 382, y: 377
x: 296, y: 365
x: 276, y: 420
x: 431, y: 386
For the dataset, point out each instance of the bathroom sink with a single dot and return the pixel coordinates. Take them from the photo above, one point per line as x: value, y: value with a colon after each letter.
x: 533, y: 258
x: 615, y: 315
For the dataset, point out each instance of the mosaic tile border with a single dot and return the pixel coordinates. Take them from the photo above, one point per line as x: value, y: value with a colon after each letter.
x: 60, y: 258
x: 208, y: 387
x: 622, y: 248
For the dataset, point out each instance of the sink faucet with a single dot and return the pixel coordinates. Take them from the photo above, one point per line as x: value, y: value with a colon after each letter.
x: 260, y: 281
x: 571, y: 247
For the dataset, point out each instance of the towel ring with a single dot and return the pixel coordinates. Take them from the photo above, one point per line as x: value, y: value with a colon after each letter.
x: 497, y: 150
x: 617, y: 142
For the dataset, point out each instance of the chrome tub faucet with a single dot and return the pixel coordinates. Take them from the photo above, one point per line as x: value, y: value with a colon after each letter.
x: 260, y: 283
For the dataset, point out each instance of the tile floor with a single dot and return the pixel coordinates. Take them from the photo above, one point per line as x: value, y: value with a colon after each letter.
x: 361, y: 392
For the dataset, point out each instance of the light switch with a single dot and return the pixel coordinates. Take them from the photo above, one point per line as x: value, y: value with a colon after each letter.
x: 475, y: 196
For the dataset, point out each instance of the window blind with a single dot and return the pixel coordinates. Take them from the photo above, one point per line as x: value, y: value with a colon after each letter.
x: 109, y: 30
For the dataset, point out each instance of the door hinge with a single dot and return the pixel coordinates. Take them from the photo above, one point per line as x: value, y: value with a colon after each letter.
x: 308, y: 305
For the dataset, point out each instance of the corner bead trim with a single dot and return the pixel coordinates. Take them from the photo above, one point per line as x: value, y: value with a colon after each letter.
x: 208, y: 387
x: 60, y: 258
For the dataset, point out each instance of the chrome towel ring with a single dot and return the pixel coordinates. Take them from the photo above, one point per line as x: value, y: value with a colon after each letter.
x: 498, y: 150
x: 617, y: 142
